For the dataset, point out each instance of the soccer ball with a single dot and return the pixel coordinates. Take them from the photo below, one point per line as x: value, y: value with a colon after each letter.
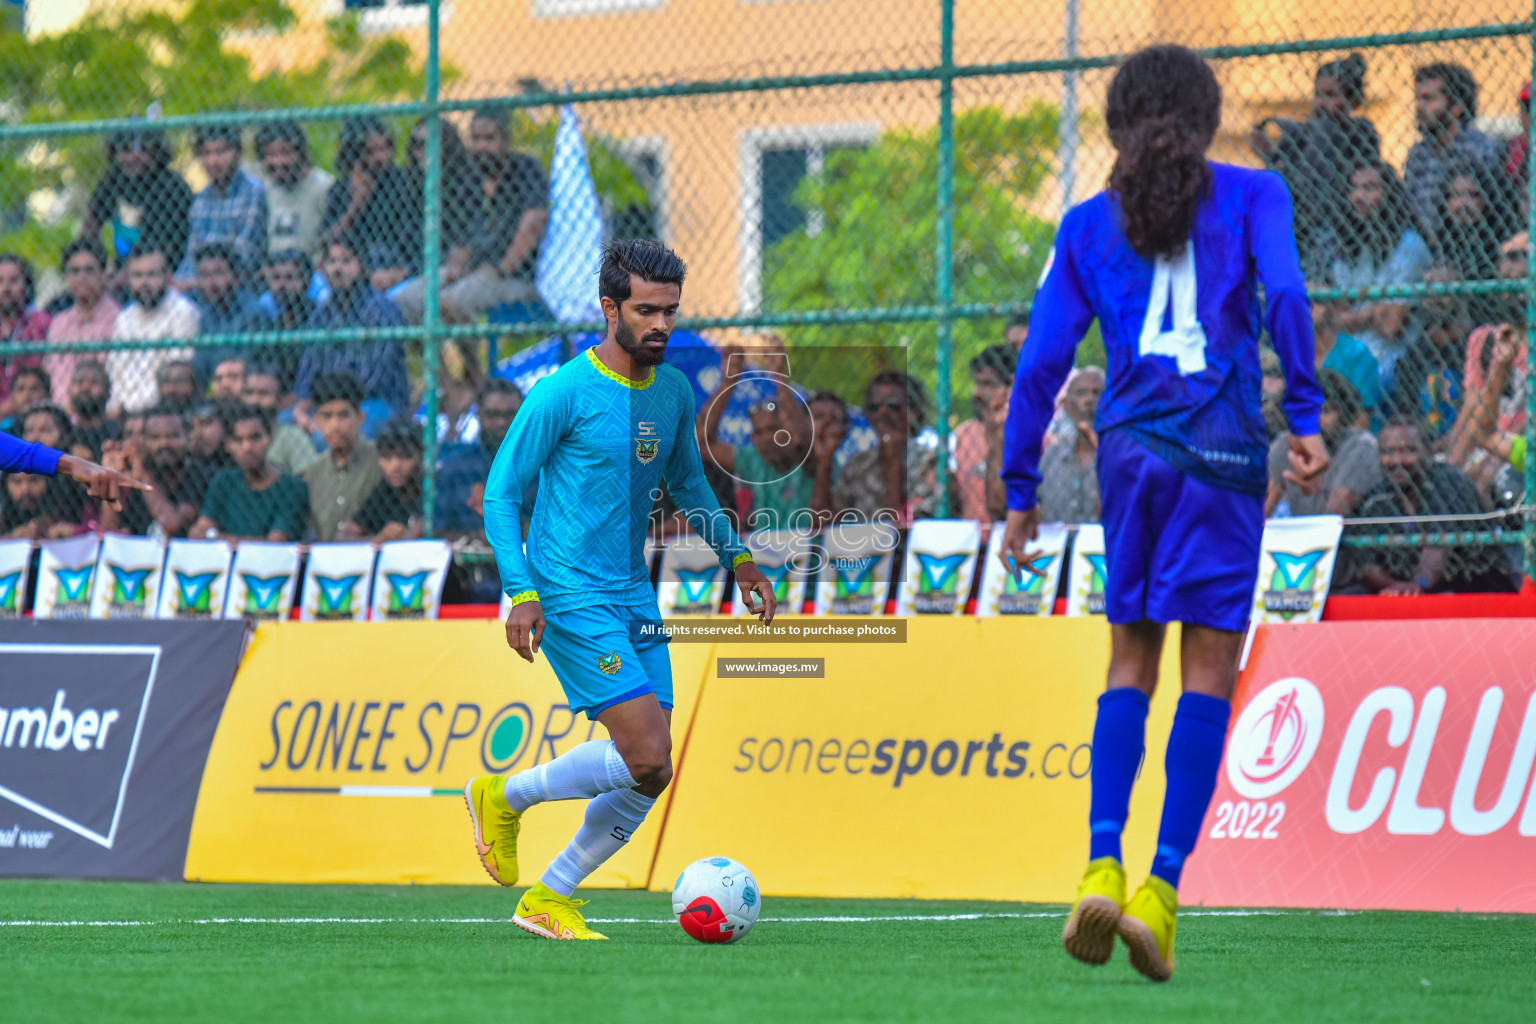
x: 716, y: 900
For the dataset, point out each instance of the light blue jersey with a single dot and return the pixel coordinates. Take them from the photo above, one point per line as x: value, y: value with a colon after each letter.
x: 600, y: 446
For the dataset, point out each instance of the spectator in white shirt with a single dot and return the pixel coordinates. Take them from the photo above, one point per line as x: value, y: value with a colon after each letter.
x: 156, y: 313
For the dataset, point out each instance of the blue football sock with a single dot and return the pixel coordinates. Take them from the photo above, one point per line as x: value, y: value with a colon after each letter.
x: 1119, y: 741
x: 1194, y: 757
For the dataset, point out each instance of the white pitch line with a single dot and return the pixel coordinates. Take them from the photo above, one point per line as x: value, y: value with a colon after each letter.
x: 840, y: 919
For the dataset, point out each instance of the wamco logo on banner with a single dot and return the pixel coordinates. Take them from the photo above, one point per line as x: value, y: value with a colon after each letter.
x: 69, y: 732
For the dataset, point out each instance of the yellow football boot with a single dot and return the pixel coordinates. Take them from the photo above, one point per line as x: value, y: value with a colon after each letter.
x: 1090, y: 932
x: 547, y: 914
x: 496, y: 826
x: 1147, y: 925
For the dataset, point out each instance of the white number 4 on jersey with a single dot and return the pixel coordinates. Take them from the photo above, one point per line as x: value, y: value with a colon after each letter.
x: 1174, y: 280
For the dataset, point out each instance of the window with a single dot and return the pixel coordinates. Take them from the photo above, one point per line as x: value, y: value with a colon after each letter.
x: 579, y: 8
x: 773, y: 163
x: 647, y: 159
x: 388, y: 15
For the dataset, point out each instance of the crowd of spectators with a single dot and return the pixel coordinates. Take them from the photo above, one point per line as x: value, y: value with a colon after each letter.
x: 1425, y: 397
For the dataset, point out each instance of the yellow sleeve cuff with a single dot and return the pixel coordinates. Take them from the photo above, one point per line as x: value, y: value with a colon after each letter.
x: 745, y: 556
x: 524, y: 597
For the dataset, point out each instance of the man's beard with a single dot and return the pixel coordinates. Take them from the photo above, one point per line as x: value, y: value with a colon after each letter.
x: 490, y: 164
x: 636, y: 348
x: 90, y: 406
x: 149, y: 298
x: 292, y: 306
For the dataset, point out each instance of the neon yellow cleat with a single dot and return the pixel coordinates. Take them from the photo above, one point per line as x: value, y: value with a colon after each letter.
x: 1147, y: 926
x: 547, y: 914
x: 496, y: 826
x: 1090, y: 932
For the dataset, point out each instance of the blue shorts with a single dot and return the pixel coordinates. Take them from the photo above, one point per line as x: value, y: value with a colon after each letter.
x: 1175, y: 549
x: 597, y: 663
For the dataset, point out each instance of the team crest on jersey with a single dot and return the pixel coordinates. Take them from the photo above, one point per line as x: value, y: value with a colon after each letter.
x: 609, y: 663
x: 646, y: 450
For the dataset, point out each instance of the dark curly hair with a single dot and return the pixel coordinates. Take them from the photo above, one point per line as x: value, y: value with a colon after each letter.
x: 1163, y: 110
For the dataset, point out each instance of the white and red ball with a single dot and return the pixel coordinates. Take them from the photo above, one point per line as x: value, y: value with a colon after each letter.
x: 716, y: 900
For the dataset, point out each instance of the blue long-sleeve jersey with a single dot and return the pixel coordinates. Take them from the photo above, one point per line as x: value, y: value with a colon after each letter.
x: 1181, y: 335
x: 600, y: 446
x: 18, y: 456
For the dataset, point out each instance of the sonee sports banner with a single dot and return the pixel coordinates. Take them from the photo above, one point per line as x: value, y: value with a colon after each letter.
x: 104, y: 730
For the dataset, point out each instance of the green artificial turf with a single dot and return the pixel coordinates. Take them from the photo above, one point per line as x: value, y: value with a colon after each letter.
x: 420, y: 966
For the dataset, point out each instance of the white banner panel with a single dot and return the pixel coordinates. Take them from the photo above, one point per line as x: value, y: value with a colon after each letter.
x: 939, y: 567
x: 692, y: 578
x: 336, y: 583
x: 1033, y: 590
x: 855, y: 570
x: 15, y: 560
x: 783, y: 556
x: 64, y: 575
x: 196, y: 580
x: 1085, y: 581
x: 127, y: 584
x: 408, y: 580
x: 263, y: 581
x: 1296, y: 567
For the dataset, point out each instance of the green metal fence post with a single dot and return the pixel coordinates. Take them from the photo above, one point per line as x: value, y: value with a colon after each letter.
x: 1529, y: 519
x: 432, y: 194
x: 944, y: 278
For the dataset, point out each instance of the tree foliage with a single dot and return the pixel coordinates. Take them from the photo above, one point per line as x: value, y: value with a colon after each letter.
x: 876, y: 244
x: 182, y: 59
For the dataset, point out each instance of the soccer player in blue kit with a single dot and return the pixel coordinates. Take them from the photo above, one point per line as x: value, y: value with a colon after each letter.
x: 600, y: 435
x: 1168, y: 260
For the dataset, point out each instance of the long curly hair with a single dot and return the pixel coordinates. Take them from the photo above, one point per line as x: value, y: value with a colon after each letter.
x: 1163, y: 111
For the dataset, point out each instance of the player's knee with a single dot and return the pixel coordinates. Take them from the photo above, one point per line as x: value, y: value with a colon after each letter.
x: 651, y: 765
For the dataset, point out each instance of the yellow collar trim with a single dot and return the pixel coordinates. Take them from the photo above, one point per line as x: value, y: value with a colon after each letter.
x: 602, y: 368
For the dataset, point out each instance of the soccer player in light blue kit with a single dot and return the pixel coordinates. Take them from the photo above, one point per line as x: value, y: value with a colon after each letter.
x: 1168, y: 260
x: 600, y: 435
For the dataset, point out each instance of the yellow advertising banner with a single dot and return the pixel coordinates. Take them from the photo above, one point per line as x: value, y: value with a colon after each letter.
x: 954, y: 766
x: 344, y: 748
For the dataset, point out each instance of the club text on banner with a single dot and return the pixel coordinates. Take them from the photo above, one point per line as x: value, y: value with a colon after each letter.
x: 343, y: 753
x: 865, y: 782
x: 1377, y: 765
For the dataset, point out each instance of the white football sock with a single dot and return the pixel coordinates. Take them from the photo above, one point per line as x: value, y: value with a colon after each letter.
x: 611, y: 819
x: 586, y: 770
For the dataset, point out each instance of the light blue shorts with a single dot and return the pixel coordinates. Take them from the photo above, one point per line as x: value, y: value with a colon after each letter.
x: 597, y: 662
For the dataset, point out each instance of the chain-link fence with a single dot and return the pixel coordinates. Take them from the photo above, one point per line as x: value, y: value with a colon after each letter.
x: 296, y: 261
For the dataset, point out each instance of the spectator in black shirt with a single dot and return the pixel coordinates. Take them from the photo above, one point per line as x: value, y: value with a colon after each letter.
x: 1413, y: 484
x: 140, y: 198
x: 1472, y: 227
x: 392, y: 511
x: 507, y: 216
x: 163, y: 457
x: 370, y: 203
x: 89, y: 391
x: 1315, y: 156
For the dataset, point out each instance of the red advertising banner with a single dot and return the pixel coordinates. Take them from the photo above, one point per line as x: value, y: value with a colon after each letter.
x: 1378, y: 765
